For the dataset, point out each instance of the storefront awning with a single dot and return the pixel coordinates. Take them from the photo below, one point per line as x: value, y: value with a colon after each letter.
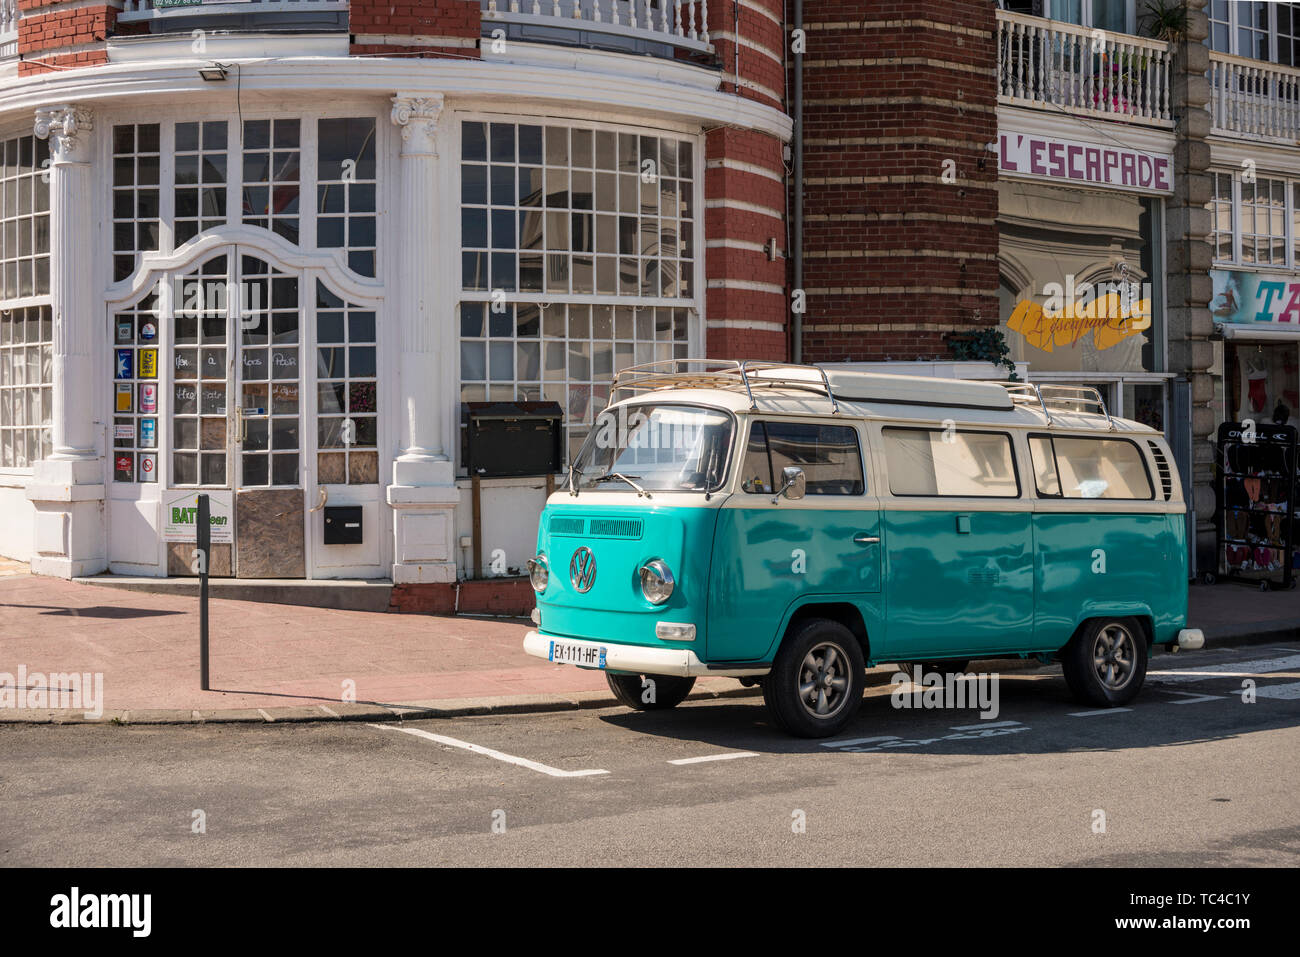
x: 1258, y: 331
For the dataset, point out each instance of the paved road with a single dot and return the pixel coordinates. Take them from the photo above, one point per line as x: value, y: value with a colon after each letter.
x: 1189, y: 776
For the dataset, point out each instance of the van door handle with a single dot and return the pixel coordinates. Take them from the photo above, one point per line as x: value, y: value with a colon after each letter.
x: 862, y: 538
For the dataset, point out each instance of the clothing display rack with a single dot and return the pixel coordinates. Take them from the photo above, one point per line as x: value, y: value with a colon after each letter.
x: 1255, y: 485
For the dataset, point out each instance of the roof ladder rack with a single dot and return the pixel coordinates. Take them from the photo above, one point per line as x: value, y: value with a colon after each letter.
x: 1061, y: 398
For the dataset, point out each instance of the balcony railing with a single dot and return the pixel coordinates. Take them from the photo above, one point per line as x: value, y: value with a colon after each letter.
x: 683, y: 24
x: 1047, y: 64
x: 1254, y: 98
x: 9, y: 28
x: 277, y: 11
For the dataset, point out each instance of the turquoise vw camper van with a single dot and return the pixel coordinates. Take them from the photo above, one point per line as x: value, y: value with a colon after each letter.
x: 793, y: 525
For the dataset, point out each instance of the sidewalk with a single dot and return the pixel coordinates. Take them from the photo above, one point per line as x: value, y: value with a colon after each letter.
x: 284, y: 662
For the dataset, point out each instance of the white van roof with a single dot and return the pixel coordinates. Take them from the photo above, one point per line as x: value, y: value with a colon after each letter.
x: 816, y: 390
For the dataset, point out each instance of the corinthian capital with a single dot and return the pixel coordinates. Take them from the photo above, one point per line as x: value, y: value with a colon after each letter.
x: 68, y: 129
x: 417, y: 116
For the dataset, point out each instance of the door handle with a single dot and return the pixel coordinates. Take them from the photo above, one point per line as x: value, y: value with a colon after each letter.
x: 324, y: 497
x: 862, y: 538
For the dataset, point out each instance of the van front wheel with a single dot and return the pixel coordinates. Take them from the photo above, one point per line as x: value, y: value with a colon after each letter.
x: 1106, y: 662
x: 649, y: 692
x: 815, y: 686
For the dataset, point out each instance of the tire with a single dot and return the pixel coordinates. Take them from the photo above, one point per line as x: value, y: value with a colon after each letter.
x: 1106, y: 663
x: 949, y: 666
x: 824, y: 658
x: 668, y: 690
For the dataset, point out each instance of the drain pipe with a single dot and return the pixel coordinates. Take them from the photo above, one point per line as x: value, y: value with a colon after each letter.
x: 797, y: 351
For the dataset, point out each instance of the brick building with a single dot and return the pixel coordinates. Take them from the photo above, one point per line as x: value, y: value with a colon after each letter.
x: 267, y: 249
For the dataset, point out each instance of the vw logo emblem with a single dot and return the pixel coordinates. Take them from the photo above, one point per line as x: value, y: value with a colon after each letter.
x: 582, y: 569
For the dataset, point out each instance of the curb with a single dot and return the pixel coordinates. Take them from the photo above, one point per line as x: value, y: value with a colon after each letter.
x: 505, y: 704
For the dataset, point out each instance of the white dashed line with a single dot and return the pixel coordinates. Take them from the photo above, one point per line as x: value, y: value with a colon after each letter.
x: 490, y: 753
x: 265, y: 715
x: 986, y: 724
x: 1094, y: 713
x: 716, y: 757
x: 1190, y: 697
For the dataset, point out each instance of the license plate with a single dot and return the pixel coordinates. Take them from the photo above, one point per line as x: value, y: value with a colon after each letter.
x: 584, y: 656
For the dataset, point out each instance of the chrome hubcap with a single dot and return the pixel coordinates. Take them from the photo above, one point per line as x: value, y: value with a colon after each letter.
x: 824, y: 680
x: 1114, y: 656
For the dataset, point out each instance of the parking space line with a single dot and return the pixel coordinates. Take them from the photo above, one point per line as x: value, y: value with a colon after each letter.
x: 1232, y: 669
x: 491, y: 753
x: 851, y: 742
x: 716, y: 757
x: 986, y: 724
x: 1094, y: 713
x: 1284, y: 692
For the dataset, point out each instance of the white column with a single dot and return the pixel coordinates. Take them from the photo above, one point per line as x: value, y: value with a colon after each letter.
x: 68, y: 487
x: 423, y: 494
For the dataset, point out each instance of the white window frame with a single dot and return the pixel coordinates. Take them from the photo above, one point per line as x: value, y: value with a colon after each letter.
x: 1292, y: 184
x: 1051, y: 8
x: 696, y: 320
x: 1234, y: 24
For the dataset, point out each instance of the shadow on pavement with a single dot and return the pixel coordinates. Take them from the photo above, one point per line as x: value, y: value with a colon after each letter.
x: 97, y: 611
x: 1036, y: 716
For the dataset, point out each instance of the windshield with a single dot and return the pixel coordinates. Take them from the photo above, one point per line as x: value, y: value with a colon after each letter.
x: 657, y: 448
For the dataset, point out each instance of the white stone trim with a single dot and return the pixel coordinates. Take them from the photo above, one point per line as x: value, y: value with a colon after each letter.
x: 747, y: 207
x: 747, y: 324
x: 742, y: 167
x: 414, y: 40
x: 748, y: 285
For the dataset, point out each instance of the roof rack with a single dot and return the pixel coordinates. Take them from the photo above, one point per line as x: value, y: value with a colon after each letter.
x: 721, y: 374
x: 1061, y: 398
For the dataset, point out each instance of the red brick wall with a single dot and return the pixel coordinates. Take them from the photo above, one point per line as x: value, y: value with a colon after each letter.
x: 428, y: 20
x: 894, y: 256
x: 745, y: 193
x: 46, y: 27
x: 489, y: 596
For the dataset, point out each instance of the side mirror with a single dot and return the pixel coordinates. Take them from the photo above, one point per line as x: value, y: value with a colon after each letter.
x: 794, y: 484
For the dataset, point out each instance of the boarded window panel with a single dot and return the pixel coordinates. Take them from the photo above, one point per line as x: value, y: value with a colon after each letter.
x: 1102, y: 468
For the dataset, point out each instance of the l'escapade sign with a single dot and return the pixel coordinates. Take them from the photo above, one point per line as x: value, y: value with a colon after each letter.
x: 180, y: 519
x: 1064, y: 161
x: 1254, y: 298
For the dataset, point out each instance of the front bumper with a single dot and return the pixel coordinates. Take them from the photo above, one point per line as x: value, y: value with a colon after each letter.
x: 638, y: 659
x: 1191, y: 639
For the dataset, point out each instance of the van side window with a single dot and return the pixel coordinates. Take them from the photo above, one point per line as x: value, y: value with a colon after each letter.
x: 946, y: 462
x: 828, y: 454
x: 1099, y: 468
x: 1045, y: 477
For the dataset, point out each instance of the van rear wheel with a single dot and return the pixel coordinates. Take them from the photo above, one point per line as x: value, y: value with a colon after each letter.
x: 649, y: 692
x: 1106, y: 663
x: 815, y: 686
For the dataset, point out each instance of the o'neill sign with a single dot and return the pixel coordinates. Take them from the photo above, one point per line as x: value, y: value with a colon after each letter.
x: 1068, y: 161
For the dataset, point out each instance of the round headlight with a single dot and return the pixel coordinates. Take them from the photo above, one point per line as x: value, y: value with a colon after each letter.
x: 656, y: 582
x: 538, y: 573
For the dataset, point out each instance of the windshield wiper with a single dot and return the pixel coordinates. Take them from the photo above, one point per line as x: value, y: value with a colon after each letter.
x: 620, y: 476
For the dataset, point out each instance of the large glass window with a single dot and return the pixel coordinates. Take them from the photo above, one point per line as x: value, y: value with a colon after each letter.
x: 1081, y: 278
x: 136, y: 159
x: 26, y: 377
x: 1255, y: 219
x: 950, y: 462
x: 26, y: 325
x: 1255, y: 29
x: 578, y: 260
x: 345, y: 187
x: 347, y: 406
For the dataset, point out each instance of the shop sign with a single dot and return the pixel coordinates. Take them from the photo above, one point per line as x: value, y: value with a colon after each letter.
x: 1253, y: 298
x: 124, y: 394
x: 1108, y: 313
x: 148, y: 433
x: 181, y: 513
x: 148, y: 363
x: 1066, y: 161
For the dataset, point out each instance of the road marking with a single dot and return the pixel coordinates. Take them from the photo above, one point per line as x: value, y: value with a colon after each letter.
x: 850, y: 742
x: 490, y: 753
x: 986, y: 724
x: 716, y: 757
x: 1284, y: 692
x: 332, y: 714
x: 1093, y: 714
x: 1232, y: 669
x: 1190, y: 697
x: 265, y: 715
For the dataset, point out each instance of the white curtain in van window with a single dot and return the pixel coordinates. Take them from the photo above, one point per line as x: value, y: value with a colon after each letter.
x: 949, y: 463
